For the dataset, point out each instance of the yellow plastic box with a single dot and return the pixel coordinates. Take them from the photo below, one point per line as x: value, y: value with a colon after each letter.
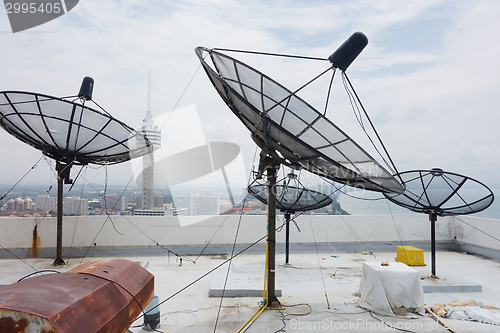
x: 412, y: 256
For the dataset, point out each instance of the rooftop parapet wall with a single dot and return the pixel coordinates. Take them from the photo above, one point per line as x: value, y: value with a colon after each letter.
x: 477, y: 235
x: 138, y: 231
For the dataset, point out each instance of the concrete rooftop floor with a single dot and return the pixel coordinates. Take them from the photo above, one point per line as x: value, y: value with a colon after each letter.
x: 314, y: 299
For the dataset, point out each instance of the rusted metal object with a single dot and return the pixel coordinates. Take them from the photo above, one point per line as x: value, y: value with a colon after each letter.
x: 90, y: 298
x: 35, y: 242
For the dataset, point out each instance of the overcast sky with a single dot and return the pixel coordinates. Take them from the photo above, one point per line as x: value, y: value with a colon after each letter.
x: 429, y: 77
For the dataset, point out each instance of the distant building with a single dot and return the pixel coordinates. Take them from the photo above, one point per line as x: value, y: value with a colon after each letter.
x: 158, y: 201
x: 113, y: 201
x: 10, y: 204
x: 176, y: 212
x: 149, y: 212
x: 198, y: 204
x: 45, y: 202
x: 167, y: 210
x: 75, y: 206
x: 28, y: 204
x: 18, y: 205
x: 138, y: 202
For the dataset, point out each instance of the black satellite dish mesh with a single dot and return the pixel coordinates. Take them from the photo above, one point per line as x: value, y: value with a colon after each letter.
x: 442, y: 193
x: 292, y: 199
x: 285, y: 125
x: 69, y: 131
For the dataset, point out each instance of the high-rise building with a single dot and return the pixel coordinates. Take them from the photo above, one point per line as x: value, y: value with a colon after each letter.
x: 18, y: 204
x: 45, y: 202
x: 198, y: 204
x: 113, y: 201
x: 75, y: 206
x: 138, y: 202
x: 158, y: 201
x: 153, y: 134
x: 28, y: 204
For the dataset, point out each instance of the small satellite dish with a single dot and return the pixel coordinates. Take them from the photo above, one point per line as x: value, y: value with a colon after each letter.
x: 291, y: 197
x: 439, y: 193
x: 289, y: 129
x: 71, y: 133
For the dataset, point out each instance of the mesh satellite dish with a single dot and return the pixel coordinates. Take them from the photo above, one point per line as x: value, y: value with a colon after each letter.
x: 439, y: 193
x: 69, y: 132
x: 291, y: 197
x: 288, y: 128
x: 292, y: 132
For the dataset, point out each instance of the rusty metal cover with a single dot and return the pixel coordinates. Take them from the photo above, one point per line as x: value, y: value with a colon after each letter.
x: 86, y: 299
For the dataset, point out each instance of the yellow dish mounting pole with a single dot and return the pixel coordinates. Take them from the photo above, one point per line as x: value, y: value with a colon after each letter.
x: 269, y: 295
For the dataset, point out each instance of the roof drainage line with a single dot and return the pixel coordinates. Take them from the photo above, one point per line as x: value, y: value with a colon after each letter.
x: 108, y: 217
x: 211, y: 271
x: 395, y: 226
x: 157, y: 243
x: 211, y: 238
x: 180, y: 98
x: 38, y: 272
x: 229, y: 266
x: 339, y: 189
x: 76, y: 222
x: 374, y: 130
x: 136, y: 227
x: 354, y: 232
x: 39, y: 219
x: 319, y: 263
x: 470, y: 225
x: 104, y: 196
x: 17, y: 257
x: 128, y: 292
x: 271, y: 54
x: 389, y: 325
x: 249, y: 183
x: 20, y: 180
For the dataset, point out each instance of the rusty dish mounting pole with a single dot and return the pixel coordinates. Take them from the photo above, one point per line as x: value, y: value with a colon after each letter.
x: 62, y: 178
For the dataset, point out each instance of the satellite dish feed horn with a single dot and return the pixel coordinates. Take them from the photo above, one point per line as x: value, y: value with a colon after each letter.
x: 86, y: 88
x: 348, y: 51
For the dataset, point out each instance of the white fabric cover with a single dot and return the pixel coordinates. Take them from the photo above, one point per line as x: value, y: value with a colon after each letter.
x: 384, y: 288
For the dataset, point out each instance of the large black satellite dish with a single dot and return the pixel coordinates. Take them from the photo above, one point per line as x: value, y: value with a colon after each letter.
x: 288, y: 128
x: 71, y: 133
x: 439, y: 193
x: 292, y: 132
